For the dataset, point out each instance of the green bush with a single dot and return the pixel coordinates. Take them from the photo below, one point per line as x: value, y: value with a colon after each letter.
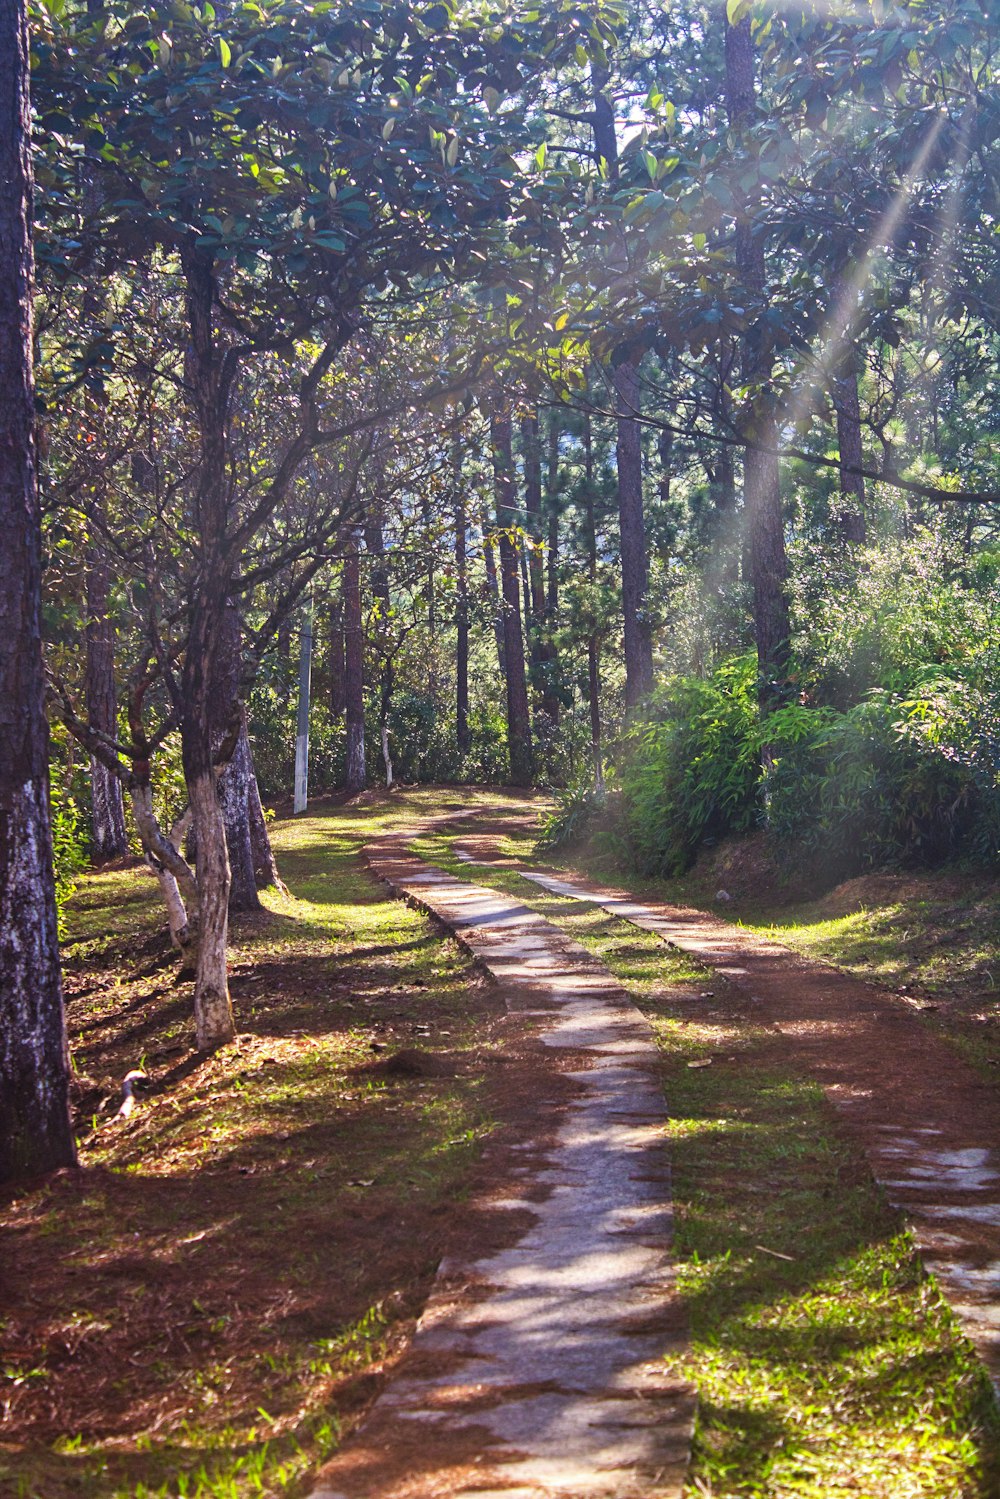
x: 897, y: 779
x: 689, y: 772
x: 576, y: 808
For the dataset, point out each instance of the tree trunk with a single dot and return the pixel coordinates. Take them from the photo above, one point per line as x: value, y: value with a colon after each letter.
x: 761, y: 486
x: 593, y: 639
x: 493, y: 593
x: 463, y: 737
x: 107, y: 809
x: 335, y: 658
x: 35, y: 1133
x: 264, y: 864
x: 533, y: 513
x: 518, y: 719
x: 354, y: 654
x: 632, y: 525
x: 238, y: 792
x: 634, y: 561
x: 234, y: 782
x: 852, y: 485
x: 204, y: 683
x: 213, y: 1011
x: 169, y: 871
x: 542, y: 651
x: 552, y: 502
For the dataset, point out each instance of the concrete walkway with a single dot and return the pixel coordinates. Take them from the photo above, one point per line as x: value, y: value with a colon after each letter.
x: 928, y: 1122
x: 536, y: 1370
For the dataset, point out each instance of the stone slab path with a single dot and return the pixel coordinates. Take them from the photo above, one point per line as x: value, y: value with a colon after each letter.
x: 930, y: 1125
x: 536, y: 1370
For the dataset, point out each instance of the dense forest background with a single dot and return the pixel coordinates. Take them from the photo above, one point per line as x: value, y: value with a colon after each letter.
x: 606, y: 393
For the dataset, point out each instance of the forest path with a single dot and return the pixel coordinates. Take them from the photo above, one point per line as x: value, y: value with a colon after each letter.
x: 536, y: 1369
x: 927, y: 1121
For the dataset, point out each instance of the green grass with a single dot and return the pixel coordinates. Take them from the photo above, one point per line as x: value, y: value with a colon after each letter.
x: 826, y: 1362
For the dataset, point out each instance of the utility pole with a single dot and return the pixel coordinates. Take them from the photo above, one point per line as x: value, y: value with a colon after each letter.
x: 302, y: 728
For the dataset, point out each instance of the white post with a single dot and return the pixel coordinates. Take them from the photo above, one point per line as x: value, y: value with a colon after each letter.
x: 302, y: 728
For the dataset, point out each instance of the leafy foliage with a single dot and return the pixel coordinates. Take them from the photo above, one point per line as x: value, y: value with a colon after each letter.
x: 690, y: 771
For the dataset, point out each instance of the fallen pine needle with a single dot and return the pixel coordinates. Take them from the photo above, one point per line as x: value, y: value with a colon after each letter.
x: 776, y: 1252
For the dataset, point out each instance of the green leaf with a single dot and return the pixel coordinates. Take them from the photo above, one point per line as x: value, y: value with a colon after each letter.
x: 225, y: 52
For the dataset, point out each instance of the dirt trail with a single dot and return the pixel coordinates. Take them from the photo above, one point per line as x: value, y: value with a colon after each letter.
x: 536, y: 1369
x: 929, y: 1124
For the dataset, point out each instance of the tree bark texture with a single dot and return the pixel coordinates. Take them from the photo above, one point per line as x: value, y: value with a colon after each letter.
x: 461, y: 602
x: 632, y: 528
x: 35, y: 1133
x: 203, y: 685
x: 235, y: 779
x: 335, y: 658
x: 109, y: 839
x: 493, y: 592
x: 628, y: 452
x: 237, y: 794
x: 552, y: 503
x: 518, y: 719
x: 213, y: 1011
x: 761, y: 486
x: 382, y: 600
x: 542, y: 651
x: 593, y: 639
x: 354, y: 658
x: 265, y: 865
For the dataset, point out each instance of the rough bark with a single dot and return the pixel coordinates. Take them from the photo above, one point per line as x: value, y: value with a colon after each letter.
x: 632, y: 530
x: 35, y: 1133
x: 264, y: 863
x: 593, y: 639
x: 552, y: 504
x: 382, y: 599
x: 163, y: 856
x: 235, y: 779
x: 518, y: 719
x: 109, y: 839
x: 761, y: 487
x: 461, y: 519
x: 213, y: 1011
x: 335, y: 658
x: 533, y: 516
x: 493, y: 592
x: 628, y: 453
x: 237, y: 793
x: 202, y: 685
x: 354, y: 648
x: 542, y: 650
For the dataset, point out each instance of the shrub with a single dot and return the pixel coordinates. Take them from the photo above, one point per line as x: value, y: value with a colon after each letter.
x: 689, y: 772
x: 899, y: 779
